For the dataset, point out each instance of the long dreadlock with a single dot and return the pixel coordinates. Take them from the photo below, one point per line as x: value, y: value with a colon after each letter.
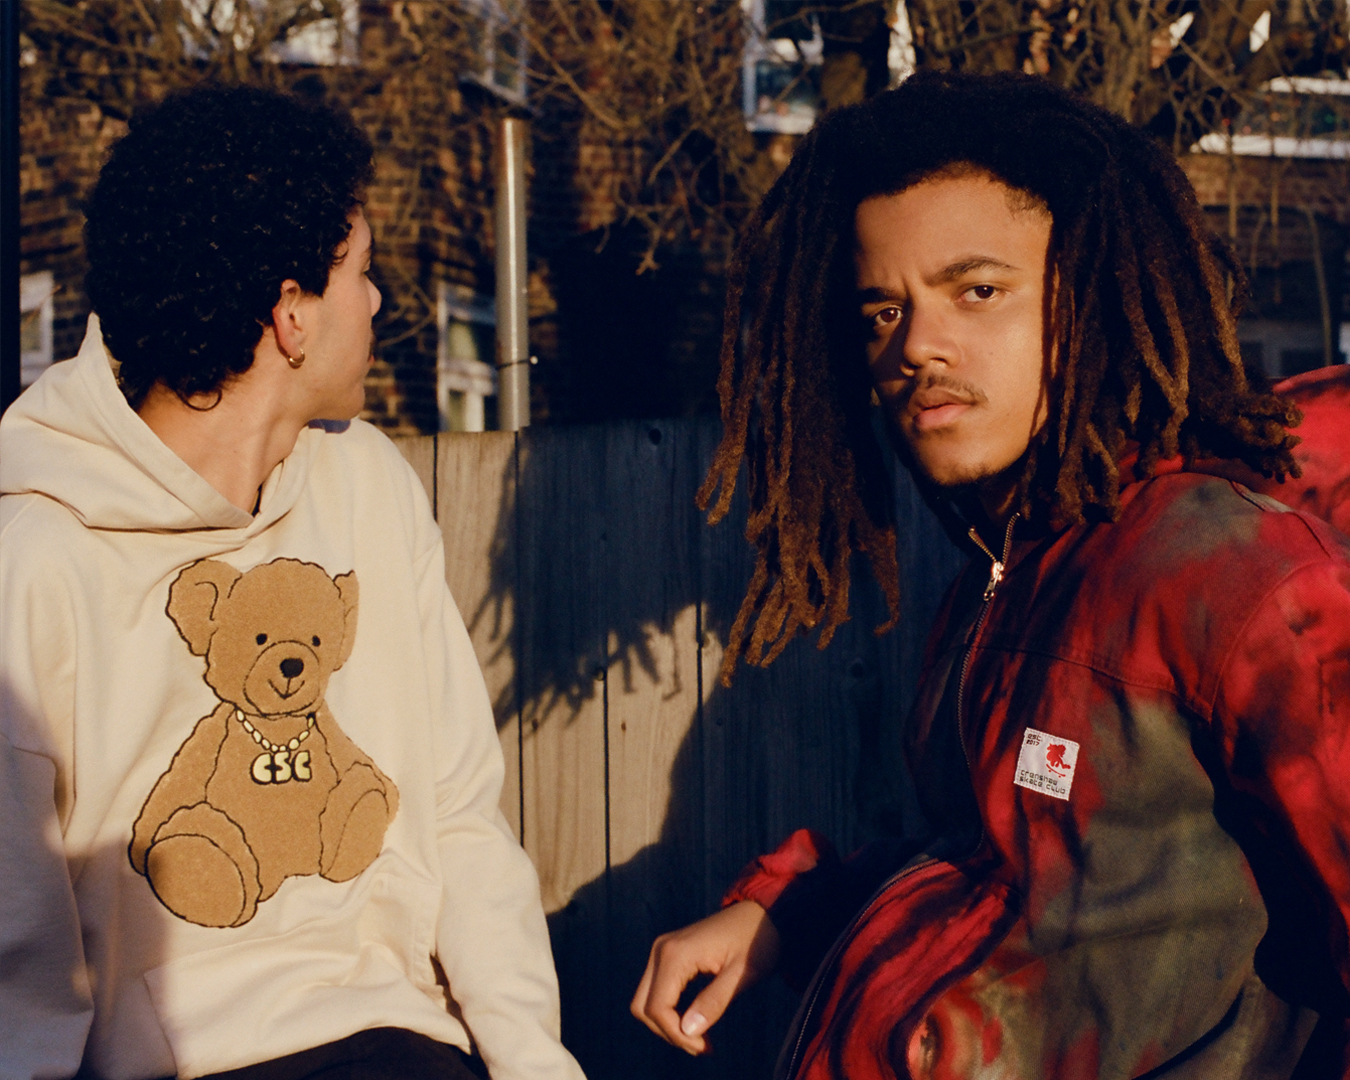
x: 1142, y: 320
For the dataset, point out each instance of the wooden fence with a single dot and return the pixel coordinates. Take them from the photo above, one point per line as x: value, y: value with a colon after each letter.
x: 598, y: 600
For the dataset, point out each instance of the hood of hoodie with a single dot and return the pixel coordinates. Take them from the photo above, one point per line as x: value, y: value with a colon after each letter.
x: 72, y: 437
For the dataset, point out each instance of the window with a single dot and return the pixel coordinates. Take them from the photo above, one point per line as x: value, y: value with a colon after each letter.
x: 782, y: 62
x: 781, y: 72
x: 465, y: 374
x: 321, y: 41
x: 1292, y: 118
x: 500, y: 47
x: 35, y: 325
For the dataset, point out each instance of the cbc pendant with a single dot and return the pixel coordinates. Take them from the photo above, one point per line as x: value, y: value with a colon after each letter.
x: 281, y: 766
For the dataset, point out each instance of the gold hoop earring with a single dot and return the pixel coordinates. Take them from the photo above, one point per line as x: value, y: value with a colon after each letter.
x: 294, y: 361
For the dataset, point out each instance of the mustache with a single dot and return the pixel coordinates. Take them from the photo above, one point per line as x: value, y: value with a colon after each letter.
x: 939, y: 389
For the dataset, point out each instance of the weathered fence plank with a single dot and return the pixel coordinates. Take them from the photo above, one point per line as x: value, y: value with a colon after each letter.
x: 470, y: 480
x: 598, y: 602
x: 654, y: 706
x: 558, y: 548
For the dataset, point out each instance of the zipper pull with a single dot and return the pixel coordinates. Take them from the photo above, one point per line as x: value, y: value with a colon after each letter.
x: 996, y: 570
x: 995, y: 576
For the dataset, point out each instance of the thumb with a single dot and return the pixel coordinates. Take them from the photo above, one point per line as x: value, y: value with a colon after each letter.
x: 712, y: 1001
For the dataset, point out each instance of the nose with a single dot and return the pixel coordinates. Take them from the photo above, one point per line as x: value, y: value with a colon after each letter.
x: 375, y: 298
x: 923, y: 339
x: 292, y: 666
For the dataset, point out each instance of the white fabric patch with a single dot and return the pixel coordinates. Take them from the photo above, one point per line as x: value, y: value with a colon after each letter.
x: 1046, y: 763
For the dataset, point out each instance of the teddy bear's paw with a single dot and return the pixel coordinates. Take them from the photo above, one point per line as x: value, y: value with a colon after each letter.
x: 351, y: 842
x: 202, y: 869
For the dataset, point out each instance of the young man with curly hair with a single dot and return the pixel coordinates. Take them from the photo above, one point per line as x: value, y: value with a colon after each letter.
x: 249, y: 773
x: 1130, y: 740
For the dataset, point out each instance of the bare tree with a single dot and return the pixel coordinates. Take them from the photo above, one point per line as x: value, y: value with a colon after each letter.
x: 1178, y: 67
x: 651, y: 92
x: 636, y: 105
x: 122, y: 53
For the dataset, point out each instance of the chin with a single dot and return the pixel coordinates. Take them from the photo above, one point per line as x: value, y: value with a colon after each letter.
x: 341, y: 413
x: 948, y: 474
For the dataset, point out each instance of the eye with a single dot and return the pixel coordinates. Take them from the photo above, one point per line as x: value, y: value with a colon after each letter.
x: 261, y: 639
x: 885, y: 317
x: 316, y: 641
x: 980, y: 292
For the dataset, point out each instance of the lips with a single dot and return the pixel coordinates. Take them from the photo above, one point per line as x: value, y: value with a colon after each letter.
x: 934, y: 407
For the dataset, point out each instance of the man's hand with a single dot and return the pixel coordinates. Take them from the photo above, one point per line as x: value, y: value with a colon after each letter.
x: 737, y: 946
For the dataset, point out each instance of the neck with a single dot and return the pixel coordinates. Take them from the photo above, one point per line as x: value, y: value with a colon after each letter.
x: 234, y: 444
x: 994, y: 497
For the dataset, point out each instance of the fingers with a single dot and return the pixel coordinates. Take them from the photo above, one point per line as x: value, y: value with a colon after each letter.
x: 673, y: 962
x: 707, y: 1008
x: 735, y: 946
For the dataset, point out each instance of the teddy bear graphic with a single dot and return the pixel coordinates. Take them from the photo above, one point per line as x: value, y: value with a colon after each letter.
x: 267, y: 786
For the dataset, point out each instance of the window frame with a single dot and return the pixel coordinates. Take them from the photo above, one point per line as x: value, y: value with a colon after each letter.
x: 472, y: 378
x: 495, y: 18
x: 37, y: 291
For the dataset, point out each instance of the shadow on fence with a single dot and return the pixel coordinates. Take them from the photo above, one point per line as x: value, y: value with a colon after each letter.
x: 598, y: 600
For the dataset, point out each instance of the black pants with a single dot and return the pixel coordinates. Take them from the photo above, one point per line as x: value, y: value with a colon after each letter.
x: 377, y: 1054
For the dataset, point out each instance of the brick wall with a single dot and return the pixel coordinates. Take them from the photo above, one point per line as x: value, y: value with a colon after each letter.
x: 610, y: 342
x: 1322, y: 185
x: 1279, y: 243
x: 430, y: 207
x: 61, y: 147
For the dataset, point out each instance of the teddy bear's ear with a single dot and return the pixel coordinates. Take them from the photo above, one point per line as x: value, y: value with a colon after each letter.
x: 350, y: 592
x: 194, y: 597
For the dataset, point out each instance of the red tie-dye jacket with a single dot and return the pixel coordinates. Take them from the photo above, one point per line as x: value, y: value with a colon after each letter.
x: 1140, y: 862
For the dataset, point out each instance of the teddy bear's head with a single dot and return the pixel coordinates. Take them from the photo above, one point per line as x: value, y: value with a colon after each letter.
x: 271, y: 636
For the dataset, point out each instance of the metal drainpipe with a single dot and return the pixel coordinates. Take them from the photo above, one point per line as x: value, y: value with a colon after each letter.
x: 513, y: 327
x: 9, y: 202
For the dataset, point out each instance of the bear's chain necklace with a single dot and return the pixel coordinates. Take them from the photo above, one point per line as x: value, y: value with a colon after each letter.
x: 279, y: 762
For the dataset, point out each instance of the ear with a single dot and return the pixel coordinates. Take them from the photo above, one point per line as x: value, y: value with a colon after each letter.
x: 194, y: 598
x: 289, y: 318
x: 350, y: 592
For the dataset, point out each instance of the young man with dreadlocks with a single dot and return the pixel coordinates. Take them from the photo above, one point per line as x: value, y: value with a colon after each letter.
x: 1133, y: 730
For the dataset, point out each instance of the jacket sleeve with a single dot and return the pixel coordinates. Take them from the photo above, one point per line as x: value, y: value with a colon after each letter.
x: 45, y: 1002
x: 1282, y: 719
x: 811, y: 894
x: 492, y: 939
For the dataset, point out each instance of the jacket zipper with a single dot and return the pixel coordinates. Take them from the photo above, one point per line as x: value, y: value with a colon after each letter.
x: 813, y: 991
x: 995, y: 579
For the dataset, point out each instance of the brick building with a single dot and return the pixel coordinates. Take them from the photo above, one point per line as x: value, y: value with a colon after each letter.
x: 428, y: 83
x: 1294, y: 254
x: 429, y: 80
x: 1280, y: 190
x: 430, y: 209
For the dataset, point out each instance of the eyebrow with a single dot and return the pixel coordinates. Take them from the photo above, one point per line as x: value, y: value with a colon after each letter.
x: 961, y: 267
x: 953, y: 271
x: 875, y: 294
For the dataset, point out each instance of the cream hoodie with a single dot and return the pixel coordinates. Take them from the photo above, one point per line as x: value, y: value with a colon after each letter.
x: 103, y: 680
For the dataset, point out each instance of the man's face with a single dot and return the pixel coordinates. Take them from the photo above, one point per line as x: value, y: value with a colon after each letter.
x: 339, y: 349
x: 951, y: 282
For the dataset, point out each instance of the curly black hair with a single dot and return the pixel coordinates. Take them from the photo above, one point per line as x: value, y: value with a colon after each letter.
x: 214, y: 197
x: 1143, y: 320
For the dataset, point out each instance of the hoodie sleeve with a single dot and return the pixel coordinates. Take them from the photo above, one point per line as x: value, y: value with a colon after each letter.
x: 45, y: 1003
x: 492, y: 939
